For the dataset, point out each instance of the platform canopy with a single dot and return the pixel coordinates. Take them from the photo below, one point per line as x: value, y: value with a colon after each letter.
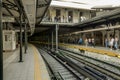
x: 84, y: 4
x: 32, y: 10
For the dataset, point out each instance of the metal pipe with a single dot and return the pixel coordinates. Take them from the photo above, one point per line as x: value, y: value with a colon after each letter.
x: 20, y: 37
x: 1, y: 43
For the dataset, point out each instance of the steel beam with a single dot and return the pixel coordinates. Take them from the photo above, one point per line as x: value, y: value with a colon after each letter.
x: 1, y: 43
x: 36, y: 6
x: 10, y: 12
x: 20, y: 7
x: 12, y: 7
x: 18, y: 4
x: 44, y: 12
x: 10, y: 2
x: 42, y: 5
x: 46, y: 1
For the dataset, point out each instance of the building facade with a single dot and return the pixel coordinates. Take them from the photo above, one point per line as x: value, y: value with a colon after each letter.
x: 67, y: 15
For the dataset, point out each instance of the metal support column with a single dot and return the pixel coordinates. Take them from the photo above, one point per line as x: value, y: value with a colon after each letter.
x: 48, y: 42
x: 107, y: 33
x: 52, y: 40
x: 119, y: 39
x: 26, y: 38
x: 114, y: 33
x: 1, y: 43
x: 103, y: 38
x: 56, y: 37
x: 20, y: 37
x: 25, y: 31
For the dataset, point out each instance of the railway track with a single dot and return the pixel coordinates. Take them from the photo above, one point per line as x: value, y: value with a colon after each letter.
x: 59, y: 69
x: 66, y: 66
x: 92, y: 67
x: 79, y: 72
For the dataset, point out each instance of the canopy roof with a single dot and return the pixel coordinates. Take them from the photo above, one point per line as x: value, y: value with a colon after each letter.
x: 84, y: 4
x: 32, y: 10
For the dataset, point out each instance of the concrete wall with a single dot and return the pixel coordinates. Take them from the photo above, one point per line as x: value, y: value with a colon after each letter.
x: 87, y: 14
x: 75, y: 16
x: 52, y: 13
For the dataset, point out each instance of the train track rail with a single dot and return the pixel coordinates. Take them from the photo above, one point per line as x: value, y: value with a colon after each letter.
x: 92, y: 67
x: 85, y: 71
x: 66, y: 66
x: 59, y: 69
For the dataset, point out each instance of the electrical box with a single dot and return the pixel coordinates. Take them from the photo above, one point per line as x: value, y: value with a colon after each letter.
x: 9, y: 40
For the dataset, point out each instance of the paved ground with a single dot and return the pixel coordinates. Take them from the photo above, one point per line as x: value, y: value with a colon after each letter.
x: 26, y: 70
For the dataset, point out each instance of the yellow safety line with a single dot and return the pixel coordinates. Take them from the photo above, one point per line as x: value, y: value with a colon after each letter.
x: 105, y: 52
x: 109, y: 53
x: 37, y: 74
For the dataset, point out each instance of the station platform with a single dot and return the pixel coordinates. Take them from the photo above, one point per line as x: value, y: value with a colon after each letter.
x: 96, y: 49
x: 32, y: 67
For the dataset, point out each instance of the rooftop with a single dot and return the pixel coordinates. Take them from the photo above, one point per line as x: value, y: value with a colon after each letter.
x: 84, y: 4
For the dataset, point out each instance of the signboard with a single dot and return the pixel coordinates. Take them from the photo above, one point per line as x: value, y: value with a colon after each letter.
x: 8, y: 19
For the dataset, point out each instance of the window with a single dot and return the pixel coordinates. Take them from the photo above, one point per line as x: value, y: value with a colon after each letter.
x: 58, y: 16
x: 93, y: 14
x: 81, y: 14
x: 5, y: 37
x: 58, y: 12
x: 70, y: 16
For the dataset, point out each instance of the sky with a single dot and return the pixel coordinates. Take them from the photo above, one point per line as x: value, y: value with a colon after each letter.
x: 84, y: 4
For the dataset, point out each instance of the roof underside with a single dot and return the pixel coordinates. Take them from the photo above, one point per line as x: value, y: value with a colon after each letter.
x: 33, y: 11
x: 109, y: 17
x: 85, y: 4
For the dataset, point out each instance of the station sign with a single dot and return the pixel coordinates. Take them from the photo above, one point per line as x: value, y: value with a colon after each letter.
x: 8, y: 19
